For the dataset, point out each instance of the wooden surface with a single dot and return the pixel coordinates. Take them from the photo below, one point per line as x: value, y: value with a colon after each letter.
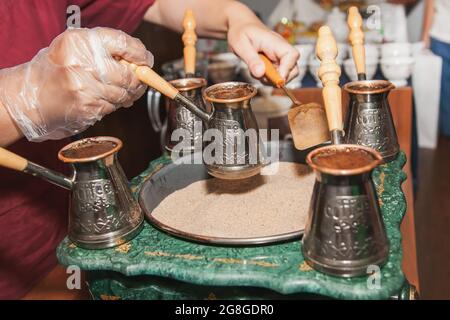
x: 53, y: 287
x: 400, y: 101
x: 432, y: 212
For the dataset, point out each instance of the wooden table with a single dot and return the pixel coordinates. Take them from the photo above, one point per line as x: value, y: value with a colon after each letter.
x: 53, y: 286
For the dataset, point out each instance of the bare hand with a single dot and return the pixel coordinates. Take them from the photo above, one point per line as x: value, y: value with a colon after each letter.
x: 247, y: 40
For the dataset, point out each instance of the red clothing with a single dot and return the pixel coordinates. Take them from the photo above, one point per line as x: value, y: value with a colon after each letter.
x: 33, y: 213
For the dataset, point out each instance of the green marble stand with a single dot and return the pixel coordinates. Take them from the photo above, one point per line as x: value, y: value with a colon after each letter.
x: 156, y: 265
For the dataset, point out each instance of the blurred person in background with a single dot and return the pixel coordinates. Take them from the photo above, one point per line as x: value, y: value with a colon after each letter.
x: 436, y: 36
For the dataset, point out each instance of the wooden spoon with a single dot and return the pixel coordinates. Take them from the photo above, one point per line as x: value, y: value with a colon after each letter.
x: 308, y: 122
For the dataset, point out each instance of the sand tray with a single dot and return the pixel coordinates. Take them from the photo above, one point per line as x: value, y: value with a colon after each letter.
x: 184, y: 201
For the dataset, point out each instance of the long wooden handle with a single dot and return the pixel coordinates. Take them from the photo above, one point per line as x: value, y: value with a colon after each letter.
x: 329, y: 72
x: 12, y: 161
x: 356, y: 38
x: 271, y: 72
x: 189, y: 39
x: 154, y: 80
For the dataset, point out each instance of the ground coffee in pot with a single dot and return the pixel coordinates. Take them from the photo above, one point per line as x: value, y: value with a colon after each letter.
x: 88, y: 148
x: 343, y: 158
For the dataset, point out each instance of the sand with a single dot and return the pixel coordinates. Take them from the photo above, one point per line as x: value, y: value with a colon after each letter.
x: 255, y: 207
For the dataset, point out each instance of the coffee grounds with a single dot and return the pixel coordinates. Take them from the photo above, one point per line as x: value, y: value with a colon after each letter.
x: 368, y: 87
x: 88, y: 148
x: 255, y: 207
x: 230, y: 92
x: 343, y: 159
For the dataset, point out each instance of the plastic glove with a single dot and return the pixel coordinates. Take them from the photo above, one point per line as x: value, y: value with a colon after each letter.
x: 73, y: 83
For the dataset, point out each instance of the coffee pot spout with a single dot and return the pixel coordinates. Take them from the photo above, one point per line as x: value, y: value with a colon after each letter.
x: 13, y: 161
x: 203, y: 115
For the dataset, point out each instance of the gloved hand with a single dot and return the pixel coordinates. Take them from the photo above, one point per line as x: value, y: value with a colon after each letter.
x: 73, y: 83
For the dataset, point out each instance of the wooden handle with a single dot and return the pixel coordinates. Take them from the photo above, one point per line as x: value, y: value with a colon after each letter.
x: 329, y: 72
x: 271, y: 72
x: 189, y: 39
x: 154, y: 80
x: 356, y: 38
x: 12, y: 161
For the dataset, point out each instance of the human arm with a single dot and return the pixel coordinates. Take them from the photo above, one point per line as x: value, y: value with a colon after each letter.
x: 70, y: 85
x: 234, y: 21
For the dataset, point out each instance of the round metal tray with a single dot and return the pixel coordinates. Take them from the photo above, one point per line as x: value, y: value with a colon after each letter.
x: 174, y: 177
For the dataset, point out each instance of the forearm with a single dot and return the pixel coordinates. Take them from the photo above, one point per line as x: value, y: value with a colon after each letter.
x: 213, y: 16
x: 427, y: 18
x: 247, y: 36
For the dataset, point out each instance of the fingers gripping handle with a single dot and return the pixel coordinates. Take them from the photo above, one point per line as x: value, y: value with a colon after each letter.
x: 154, y: 80
x: 274, y: 76
x: 356, y: 38
x: 271, y: 72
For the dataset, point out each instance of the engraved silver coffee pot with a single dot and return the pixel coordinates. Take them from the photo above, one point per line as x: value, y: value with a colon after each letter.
x: 103, y: 212
x: 369, y: 121
x: 237, y: 153
x: 178, y: 116
x: 190, y: 86
x: 345, y: 233
x: 231, y: 140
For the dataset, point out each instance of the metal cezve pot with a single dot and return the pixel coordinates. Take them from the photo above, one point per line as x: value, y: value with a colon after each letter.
x: 345, y: 232
x: 369, y: 122
x: 178, y: 116
x: 238, y: 154
x: 103, y: 212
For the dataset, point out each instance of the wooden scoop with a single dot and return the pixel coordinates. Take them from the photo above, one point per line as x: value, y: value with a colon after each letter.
x: 308, y: 122
x: 189, y: 39
x: 329, y: 72
x: 356, y: 37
